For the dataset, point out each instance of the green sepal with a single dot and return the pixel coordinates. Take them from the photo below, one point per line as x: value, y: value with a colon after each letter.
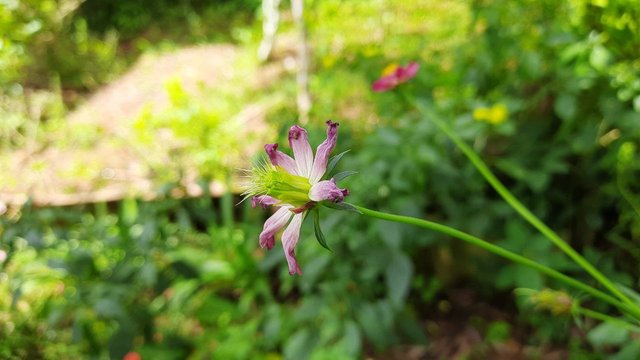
x: 341, y: 206
x: 316, y: 227
x: 333, y: 162
x: 343, y: 174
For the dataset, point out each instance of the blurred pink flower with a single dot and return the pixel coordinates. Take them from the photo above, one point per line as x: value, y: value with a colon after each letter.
x: 294, y: 186
x: 3, y: 256
x: 394, y: 75
x: 132, y: 356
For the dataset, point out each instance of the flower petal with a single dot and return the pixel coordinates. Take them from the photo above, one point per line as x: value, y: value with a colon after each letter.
x: 323, y: 152
x: 385, y: 83
x: 290, y: 239
x: 278, y: 158
x: 263, y: 200
x: 273, y: 224
x: 327, y: 190
x: 407, y: 72
x: 302, y: 152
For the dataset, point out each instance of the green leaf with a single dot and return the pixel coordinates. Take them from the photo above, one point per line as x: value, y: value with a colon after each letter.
x: 528, y: 278
x: 376, y: 321
x: 608, y: 333
x: 628, y: 352
x: 334, y: 161
x: 398, y: 277
x: 565, y: 106
x: 600, y: 57
x: 341, y: 206
x: 300, y: 344
x: 318, y: 230
x: 352, y: 340
x: 343, y: 174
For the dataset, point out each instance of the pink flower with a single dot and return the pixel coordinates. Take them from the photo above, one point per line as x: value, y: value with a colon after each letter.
x: 294, y: 186
x: 395, y: 75
x: 132, y: 356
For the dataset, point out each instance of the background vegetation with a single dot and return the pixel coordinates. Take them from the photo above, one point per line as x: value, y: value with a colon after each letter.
x: 547, y: 91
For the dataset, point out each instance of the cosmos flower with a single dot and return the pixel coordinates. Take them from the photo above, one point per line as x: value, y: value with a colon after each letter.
x: 294, y: 186
x: 394, y: 75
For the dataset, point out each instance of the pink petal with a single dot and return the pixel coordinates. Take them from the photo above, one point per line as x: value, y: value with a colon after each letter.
x: 273, y: 224
x: 302, y: 152
x: 263, y: 200
x: 290, y: 239
x: 327, y: 190
x: 323, y: 152
x: 278, y: 158
x: 408, y: 72
x: 385, y: 83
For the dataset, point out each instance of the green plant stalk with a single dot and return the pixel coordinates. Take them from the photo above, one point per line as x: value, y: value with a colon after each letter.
x: 577, y: 309
x: 524, y: 211
x: 501, y: 252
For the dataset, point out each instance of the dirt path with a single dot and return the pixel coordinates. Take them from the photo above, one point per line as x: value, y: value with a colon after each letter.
x: 110, y: 168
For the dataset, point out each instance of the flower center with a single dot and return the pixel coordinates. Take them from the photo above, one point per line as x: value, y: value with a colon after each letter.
x: 266, y: 179
x: 390, y: 69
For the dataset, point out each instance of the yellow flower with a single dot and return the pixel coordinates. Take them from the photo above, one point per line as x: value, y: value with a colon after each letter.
x: 497, y: 114
x: 481, y: 114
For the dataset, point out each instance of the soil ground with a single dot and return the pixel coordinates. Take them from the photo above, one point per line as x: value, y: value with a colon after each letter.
x: 110, y: 168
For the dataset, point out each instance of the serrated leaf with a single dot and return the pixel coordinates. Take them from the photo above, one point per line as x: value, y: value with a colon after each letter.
x: 318, y: 230
x: 343, y: 174
x: 334, y: 161
x: 341, y: 206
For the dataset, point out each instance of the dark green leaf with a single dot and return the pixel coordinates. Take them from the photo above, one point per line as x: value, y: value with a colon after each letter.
x: 318, y: 230
x: 343, y: 174
x: 334, y: 161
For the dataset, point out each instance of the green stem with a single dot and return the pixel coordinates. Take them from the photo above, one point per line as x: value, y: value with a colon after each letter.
x: 501, y: 252
x: 523, y: 210
x: 603, y: 317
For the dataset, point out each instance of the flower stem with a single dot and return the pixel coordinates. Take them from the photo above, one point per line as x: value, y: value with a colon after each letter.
x: 501, y: 252
x: 523, y: 210
x: 577, y: 309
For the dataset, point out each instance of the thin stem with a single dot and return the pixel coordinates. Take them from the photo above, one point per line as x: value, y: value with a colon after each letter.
x: 603, y: 317
x: 523, y: 210
x: 501, y: 252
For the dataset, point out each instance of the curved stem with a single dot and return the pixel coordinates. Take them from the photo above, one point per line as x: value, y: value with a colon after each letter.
x: 523, y: 210
x: 501, y: 252
x: 604, y: 317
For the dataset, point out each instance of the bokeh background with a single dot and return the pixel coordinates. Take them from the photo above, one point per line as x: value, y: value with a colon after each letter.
x: 123, y: 124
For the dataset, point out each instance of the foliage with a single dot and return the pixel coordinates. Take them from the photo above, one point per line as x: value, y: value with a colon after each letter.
x: 40, y: 36
x: 195, y: 134
x: 204, y: 20
x: 550, y: 101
